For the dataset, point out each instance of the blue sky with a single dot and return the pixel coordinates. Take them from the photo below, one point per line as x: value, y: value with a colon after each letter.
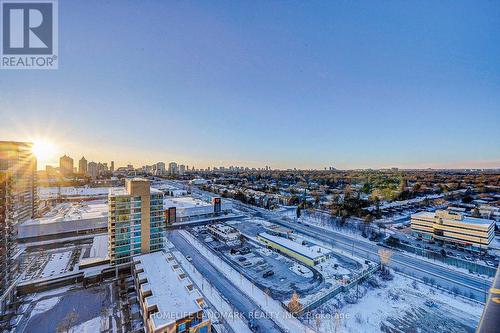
x: 304, y: 84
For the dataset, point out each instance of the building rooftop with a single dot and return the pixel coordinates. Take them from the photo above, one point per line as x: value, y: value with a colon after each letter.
x: 121, y: 191
x: 225, y: 229
x: 173, y: 296
x: 98, y: 251
x: 72, y: 191
x: 184, y: 202
x: 99, y: 247
x: 462, y: 219
x: 70, y: 211
x: 310, y: 251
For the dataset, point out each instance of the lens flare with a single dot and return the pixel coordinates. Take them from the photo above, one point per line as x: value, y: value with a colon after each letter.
x: 44, y: 150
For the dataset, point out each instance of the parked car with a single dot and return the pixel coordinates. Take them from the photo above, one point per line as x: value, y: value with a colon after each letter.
x: 268, y: 274
x: 490, y: 263
x: 245, y: 250
x: 241, y: 259
x: 430, y: 303
x: 188, y: 258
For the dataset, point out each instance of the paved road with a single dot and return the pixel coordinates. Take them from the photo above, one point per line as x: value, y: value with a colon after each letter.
x: 467, y: 284
x: 236, y: 297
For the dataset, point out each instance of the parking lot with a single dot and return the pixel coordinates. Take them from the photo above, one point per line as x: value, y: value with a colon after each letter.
x: 274, y: 272
x: 40, y: 263
x: 450, y: 250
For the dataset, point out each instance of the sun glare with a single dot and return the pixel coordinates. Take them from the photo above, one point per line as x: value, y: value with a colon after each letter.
x: 44, y: 150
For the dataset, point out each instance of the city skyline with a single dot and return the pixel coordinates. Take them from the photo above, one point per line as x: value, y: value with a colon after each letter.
x: 371, y: 86
x: 48, y: 154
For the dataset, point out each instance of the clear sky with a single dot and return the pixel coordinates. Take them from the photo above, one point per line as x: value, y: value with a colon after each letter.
x: 306, y: 84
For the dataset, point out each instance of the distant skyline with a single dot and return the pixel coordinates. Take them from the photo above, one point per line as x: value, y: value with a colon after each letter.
x: 410, y: 84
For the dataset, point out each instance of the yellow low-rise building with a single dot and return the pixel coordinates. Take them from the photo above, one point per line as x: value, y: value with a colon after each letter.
x: 308, y: 254
x: 471, y: 233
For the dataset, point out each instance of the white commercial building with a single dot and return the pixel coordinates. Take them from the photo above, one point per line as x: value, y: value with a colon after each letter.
x: 73, y: 192
x: 189, y: 208
x: 68, y: 218
x: 225, y: 233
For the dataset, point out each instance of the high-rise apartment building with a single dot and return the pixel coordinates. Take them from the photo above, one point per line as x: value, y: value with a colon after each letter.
x: 172, y: 168
x: 136, y: 222
x: 112, y: 166
x: 65, y: 165
x: 160, y: 169
x: 82, y: 166
x: 92, y: 170
x: 18, y: 203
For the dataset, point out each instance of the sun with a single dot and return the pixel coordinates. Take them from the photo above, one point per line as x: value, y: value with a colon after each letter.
x: 43, y: 150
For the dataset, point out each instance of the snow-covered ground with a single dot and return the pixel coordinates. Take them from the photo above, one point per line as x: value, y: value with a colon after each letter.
x: 57, y: 264
x: 264, y: 251
x: 213, y: 296
x: 346, y: 232
x: 90, y: 326
x: 44, y: 305
x: 301, y: 270
x: 272, y: 307
x: 400, y: 305
x: 72, y: 309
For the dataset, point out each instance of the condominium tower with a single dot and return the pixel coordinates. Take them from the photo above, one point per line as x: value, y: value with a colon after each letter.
x: 136, y: 223
x: 18, y: 203
x: 66, y: 165
x: 82, y: 166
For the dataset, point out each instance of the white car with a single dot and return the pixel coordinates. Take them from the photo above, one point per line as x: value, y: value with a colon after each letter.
x: 189, y: 258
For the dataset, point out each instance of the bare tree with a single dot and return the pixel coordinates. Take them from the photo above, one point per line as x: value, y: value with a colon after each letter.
x: 68, y: 322
x: 294, y: 305
x: 385, y: 257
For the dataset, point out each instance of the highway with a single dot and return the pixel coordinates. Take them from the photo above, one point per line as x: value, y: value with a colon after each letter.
x: 466, y: 284
x: 236, y: 297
